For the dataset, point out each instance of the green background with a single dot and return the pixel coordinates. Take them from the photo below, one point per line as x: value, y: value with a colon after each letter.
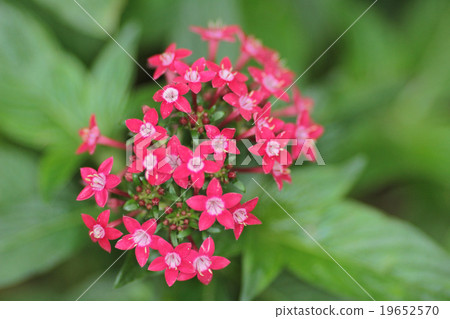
x: 380, y: 206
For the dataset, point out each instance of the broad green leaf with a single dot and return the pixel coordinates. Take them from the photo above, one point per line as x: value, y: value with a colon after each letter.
x: 312, y: 187
x: 105, y: 12
x: 34, y: 236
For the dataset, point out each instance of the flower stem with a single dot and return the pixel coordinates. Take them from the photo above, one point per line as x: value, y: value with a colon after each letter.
x: 230, y: 118
x: 119, y: 192
x: 216, y: 96
x: 194, y: 101
x: 212, y: 50
x: 110, y: 142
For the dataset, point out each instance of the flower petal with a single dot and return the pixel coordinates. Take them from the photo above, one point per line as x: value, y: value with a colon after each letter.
x: 149, y: 226
x: 171, y: 276
x: 164, y: 247
x: 103, y: 218
x: 88, y: 220
x: 158, y: 264
x: 106, y: 166
x: 151, y: 116
x: 226, y: 219
x: 205, y: 278
x: 214, y: 188
x: 131, y: 224
x: 112, y: 233
x: 231, y: 199
x: 86, y: 193
x: 218, y: 262
x: 86, y: 171
x: 112, y: 181
x: 183, y: 249
x: 134, y: 125
x: 208, y: 247
x: 126, y: 243
x: 101, y: 197
x: 197, y: 202
x: 206, y: 220
x: 105, y: 244
x: 142, y: 254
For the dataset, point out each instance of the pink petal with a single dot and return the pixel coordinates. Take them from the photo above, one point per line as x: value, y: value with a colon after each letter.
x: 182, y: 53
x: 198, y: 179
x: 88, y: 220
x: 231, y: 199
x: 211, y: 131
x: 103, y: 218
x: 267, y: 164
x: 112, y: 233
x: 237, y: 87
x: 252, y: 220
x: 226, y: 63
x: 206, y: 76
x: 166, y: 109
x: 112, y: 181
x: 142, y: 254
x: 164, y: 247
x: 159, y: 71
x: 226, y: 219
x: 126, y: 243
x: 86, y: 171
x: 218, y: 262
x: 134, y: 125
x: 106, y: 166
x: 151, y: 116
x: 232, y: 99
x: 183, y: 249
x: 185, y: 276
x: 205, y: 278
x: 195, y: 87
x: 181, y: 172
x: 199, y: 64
x: 211, y: 167
x: 158, y: 264
x: 251, y: 204
x: 182, y: 88
x: 238, y: 228
x: 217, y: 82
x: 208, y: 247
x: 101, y: 197
x: 186, y: 267
x: 197, y: 202
x: 131, y: 224
x: 213, y: 66
x: 228, y: 132
x: 206, y: 220
x: 185, y: 153
x: 160, y: 134
x: 183, y: 105
x: 149, y: 226
x: 83, y: 148
x: 86, y: 193
x: 214, y: 188
x: 171, y: 276
x: 105, y: 244
x: 181, y: 67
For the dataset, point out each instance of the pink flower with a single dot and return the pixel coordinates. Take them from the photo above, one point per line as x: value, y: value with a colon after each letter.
x: 247, y: 103
x: 225, y: 75
x: 305, y: 129
x: 90, y: 136
x: 272, y: 148
x: 242, y: 217
x: 147, y: 129
x: 195, y: 165
x: 272, y: 82
x: 152, y: 161
x: 214, y: 206
x: 221, y: 142
x: 264, y: 119
x: 139, y: 237
x: 300, y: 104
x: 281, y: 173
x: 172, y: 95
x: 204, y: 262
x: 173, y: 261
x: 250, y: 45
x: 195, y: 75
x: 98, y: 182
x: 165, y: 61
x: 99, y: 230
x: 217, y: 32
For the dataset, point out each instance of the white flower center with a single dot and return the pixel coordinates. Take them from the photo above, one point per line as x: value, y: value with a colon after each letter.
x: 98, y: 181
x: 301, y: 134
x: 147, y: 129
x: 219, y: 144
x: 170, y: 95
x: 262, y: 123
x: 273, y: 148
x: 93, y: 135
x: 195, y: 164
x: 141, y: 238
x: 246, y: 103
x: 192, y: 76
x: 98, y: 231
x: 214, y: 33
x: 240, y: 215
x: 167, y: 58
x: 150, y: 162
x: 252, y: 46
x: 215, y: 206
x: 202, y: 264
x: 226, y: 75
x: 173, y: 160
x: 271, y: 83
x: 173, y: 260
x: 277, y: 169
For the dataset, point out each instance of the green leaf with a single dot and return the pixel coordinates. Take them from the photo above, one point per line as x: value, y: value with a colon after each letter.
x: 130, y: 205
x: 105, y: 12
x: 314, y: 187
x: 130, y: 271
x: 34, y: 236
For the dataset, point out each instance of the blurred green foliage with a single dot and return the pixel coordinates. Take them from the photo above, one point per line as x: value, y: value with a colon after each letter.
x: 381, y: 92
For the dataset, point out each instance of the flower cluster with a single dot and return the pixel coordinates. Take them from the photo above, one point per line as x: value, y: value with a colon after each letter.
x: 175, y: 196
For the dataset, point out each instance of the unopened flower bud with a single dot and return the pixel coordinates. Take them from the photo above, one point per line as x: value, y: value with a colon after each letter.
x: 183, y: 121
x: 186, y: 221
x: 168, y: 210
x: 199, y: 108
x: 232, y: 175
x: 179, y: 204
x: 173, y: 227
x: 161, y: 191
x: 165, y: 222
x: 179, y: 228
x: 183, y: 212
x: 193, y: 119
x: 149, y: 206
x: 141, y: 203
x: 148, y: 191
x: 201, y: 130
x: 155, y: 201
x: 138, y: 189
x: 136, y: 197
x: 205, y: 120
